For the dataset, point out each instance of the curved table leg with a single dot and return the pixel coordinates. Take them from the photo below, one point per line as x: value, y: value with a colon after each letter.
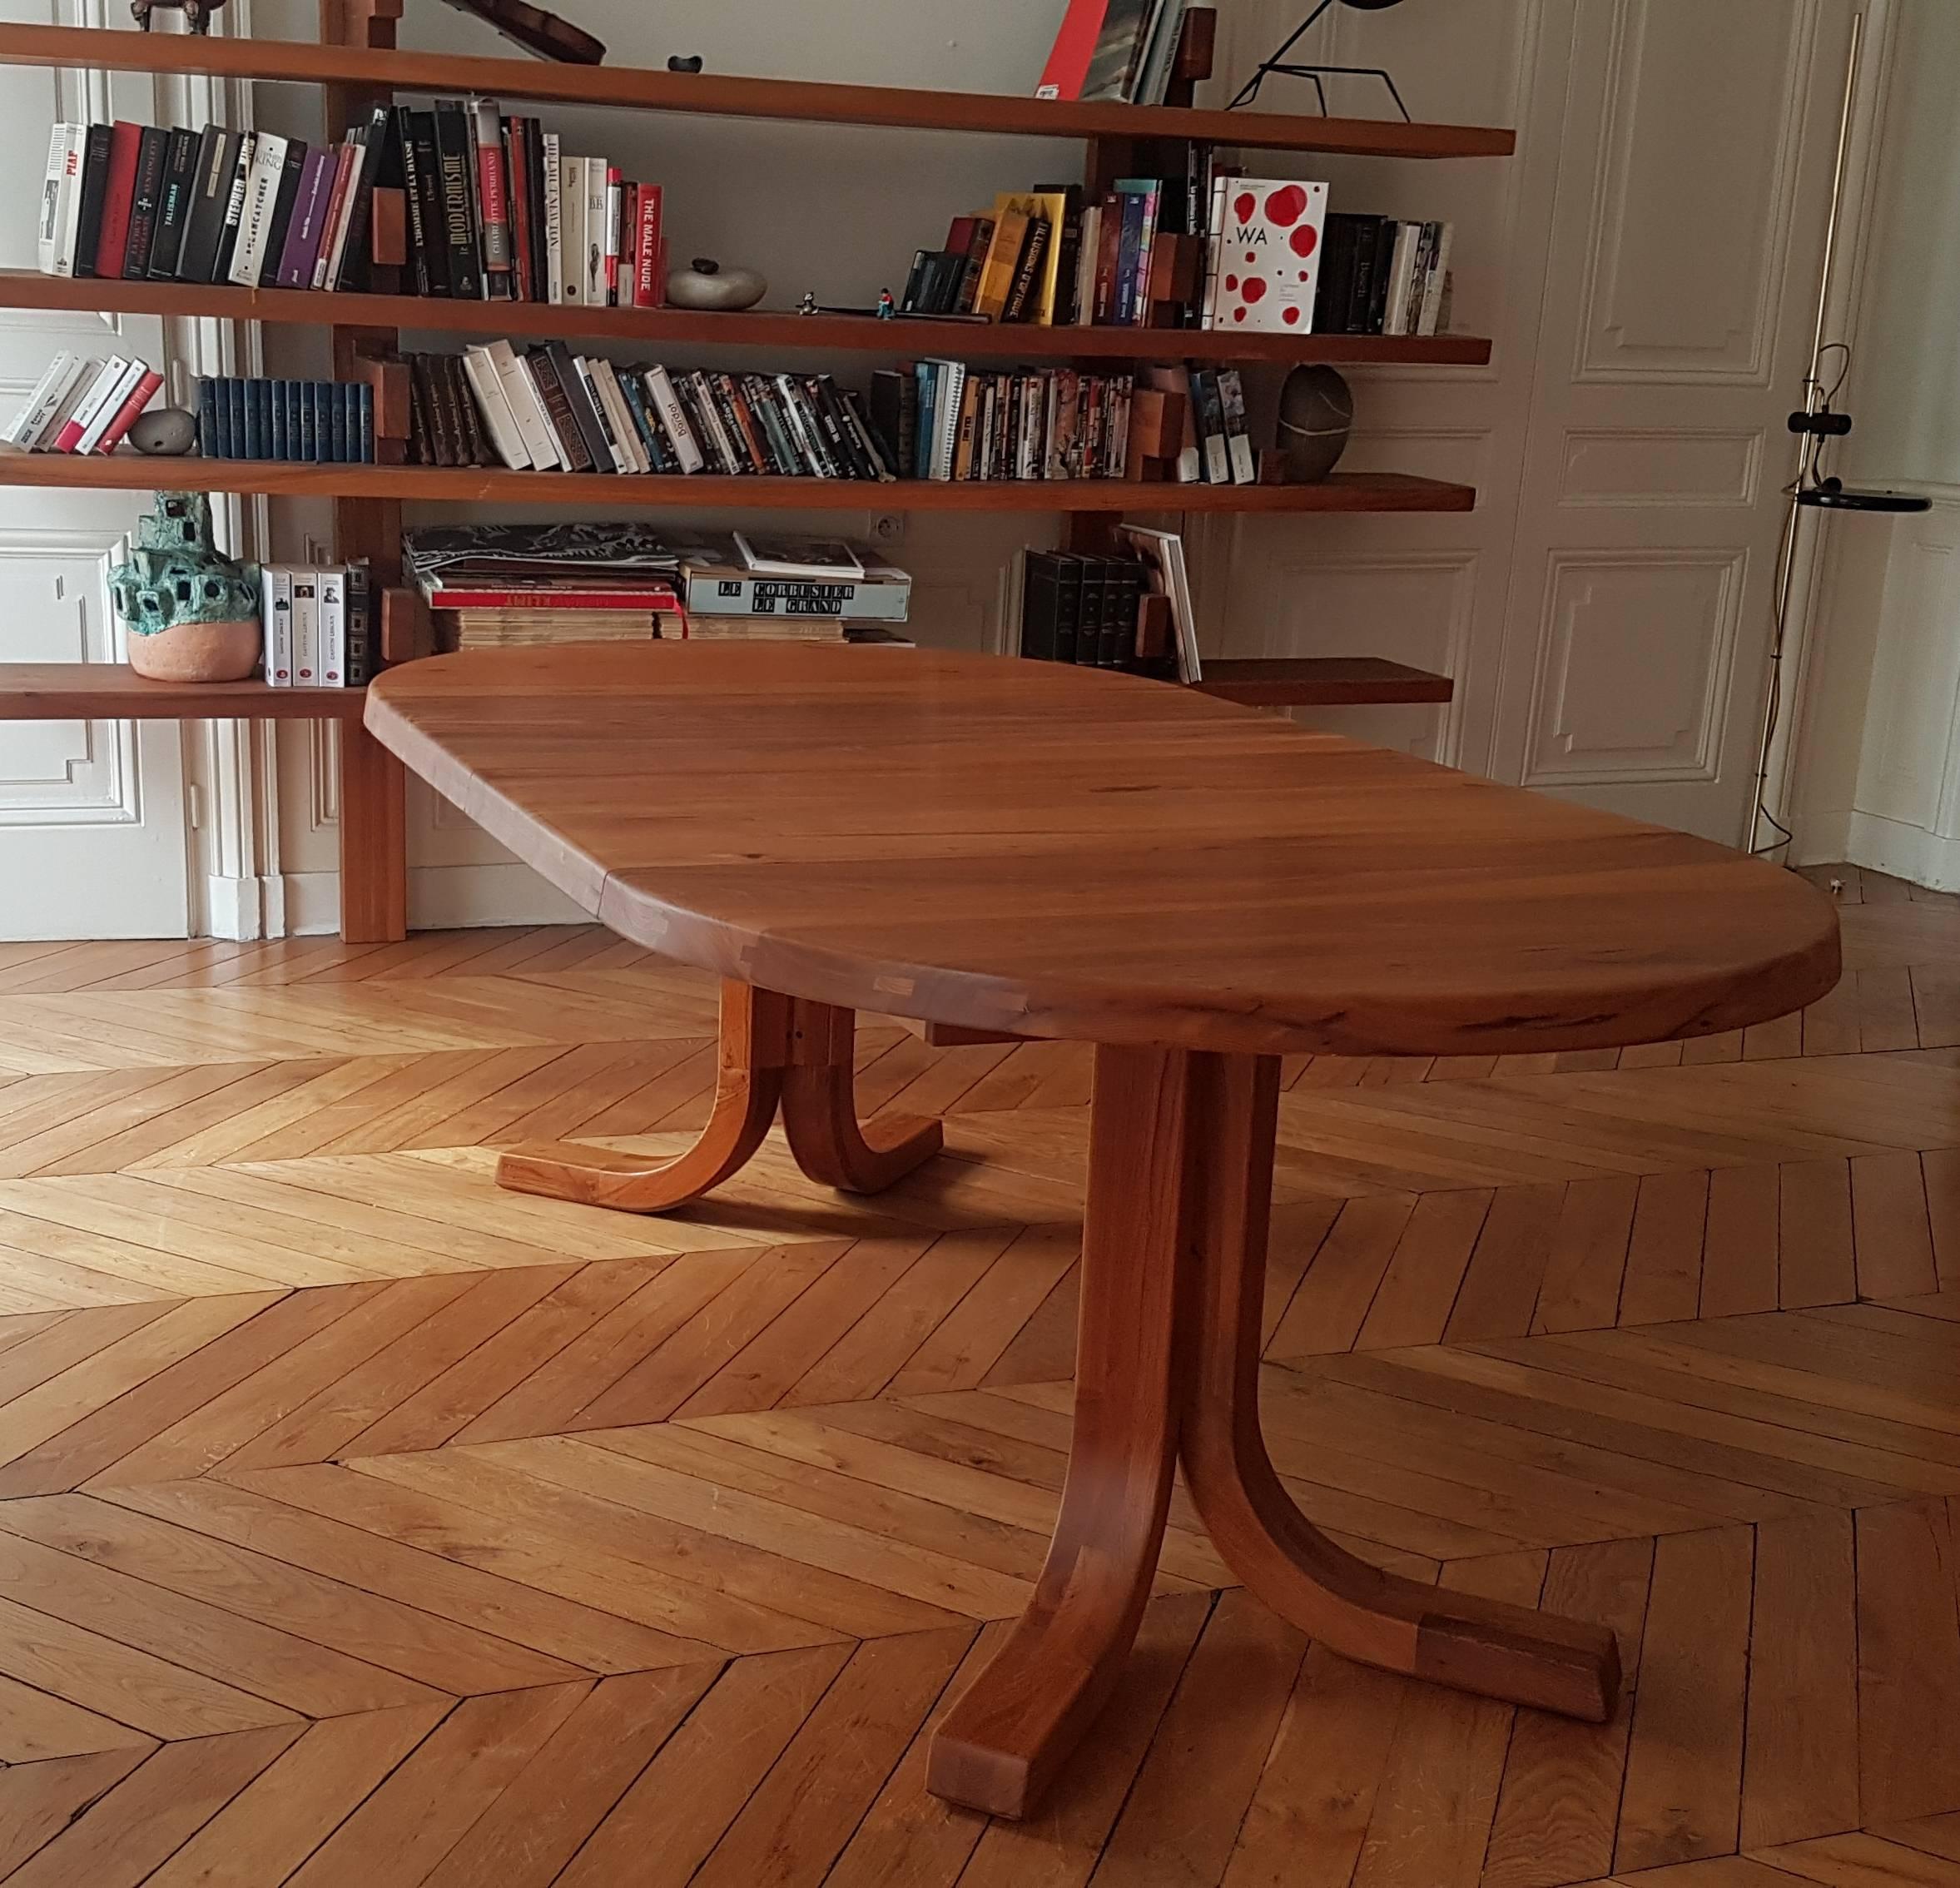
x: 819, y: 1109
x: 1483, y: 1646
x: 1014, y: 1726
x: 754, y: 1047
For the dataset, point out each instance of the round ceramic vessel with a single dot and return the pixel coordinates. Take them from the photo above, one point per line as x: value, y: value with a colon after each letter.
x: 198, y: 652
x: 723, y: 291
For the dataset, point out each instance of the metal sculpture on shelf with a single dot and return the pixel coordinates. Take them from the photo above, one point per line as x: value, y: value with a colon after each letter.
x: 1278, y: 63
x: 546, y: 34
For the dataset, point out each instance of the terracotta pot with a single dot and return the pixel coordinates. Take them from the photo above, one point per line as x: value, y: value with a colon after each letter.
x: 198, y: 652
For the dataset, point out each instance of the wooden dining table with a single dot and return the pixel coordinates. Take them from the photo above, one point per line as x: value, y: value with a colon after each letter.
x: 1022, y: 849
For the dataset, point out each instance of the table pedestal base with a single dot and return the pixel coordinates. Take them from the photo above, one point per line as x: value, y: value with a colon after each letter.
x: 1172, y: 1278
x: 774, y: 1052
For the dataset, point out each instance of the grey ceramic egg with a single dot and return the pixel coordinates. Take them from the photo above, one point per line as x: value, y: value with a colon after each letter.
x: 705, y: 284
x: 167, y: 432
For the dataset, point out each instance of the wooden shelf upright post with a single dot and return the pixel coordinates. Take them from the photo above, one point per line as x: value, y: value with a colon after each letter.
x: 373, y: 821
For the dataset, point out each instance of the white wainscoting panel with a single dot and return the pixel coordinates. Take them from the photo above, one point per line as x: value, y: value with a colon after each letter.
x: 1653, y: 466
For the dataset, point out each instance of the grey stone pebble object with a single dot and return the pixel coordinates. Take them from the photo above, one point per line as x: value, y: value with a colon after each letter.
x: 705, y: 284
x: 166, y: 432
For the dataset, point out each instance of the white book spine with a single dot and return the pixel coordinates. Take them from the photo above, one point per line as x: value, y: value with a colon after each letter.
x: 1214, y: 266
x: 593, y: 248
x: 104, y: 416
x: 61, y: 199
x: 276, y: 612
x: 71, y: 396
x: 590, y: 377
x: 305, y: 655
x: 572, y: 229
x: 606, y: 377
x: 1401, y: 266
x: 95, y: 401
x: 1432, y: 293
x: 554, y: 226
x: 330, y: 671
x: 527, y: 411
x: 261, y: 193
x: 673, y: 417
x: 25, y: 427
x: 487, y: 385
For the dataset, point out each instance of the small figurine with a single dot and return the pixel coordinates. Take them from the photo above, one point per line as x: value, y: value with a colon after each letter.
x: 807, y: 305
x: 887, y: 308
x: 196, y: 13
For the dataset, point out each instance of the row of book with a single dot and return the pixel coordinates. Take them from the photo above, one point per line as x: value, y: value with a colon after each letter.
x: 288, y: 422
x: 319, y: 625
x: 494, y: 208
x: 80, y: 404
x: 1051, y: 257
x: 1277, y: 261
x: 1120, y: 50
x: 1087, y: 610
x: 549, y: 408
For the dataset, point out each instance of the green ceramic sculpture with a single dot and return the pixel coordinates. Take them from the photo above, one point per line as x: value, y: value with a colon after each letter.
x: 192, y: 615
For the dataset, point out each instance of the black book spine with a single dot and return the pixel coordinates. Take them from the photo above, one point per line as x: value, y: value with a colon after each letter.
x: 364, y: 420
x: 95, y: 190
x: 207, y: 419
x: 1068, y: 606
x: 455, y: 148
x: 211, y: 189
x: 180, y: 180
x: 282, y: 210
x: 282, y: 443
x: 373, y: 164
x: 241, y: 165
x: 1039, y: 581
x: 779, y: 450
x: 337, y: 422
x: 310, y: 421
x: 152, y: 150
x: 723, y: 394
x: 534, y: 184
x: 583, y: 416
x: 1119, y: 619
x: 688, y: 391
x: 409, y: 135
x: 1088, y: 626
x: 258, y: 419
x: 643, y: 423
x: 1360, y: 292
x: 915, y: 281
x: 1020, y: 298
x: 837, y: 427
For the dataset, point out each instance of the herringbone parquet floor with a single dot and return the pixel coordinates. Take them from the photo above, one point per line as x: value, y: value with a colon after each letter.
x: 363, y: 1527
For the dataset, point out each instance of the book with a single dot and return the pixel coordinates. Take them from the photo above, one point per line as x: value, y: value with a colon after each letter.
x: 584, y: 414
x: 552, y: 187
x: 133, y: 392
x: 527, y: 411
x: 306, y: 227
x: 598, y: 234
x: 1162, y: 556
x: 1209, y: 408
x: 217, y: 155
x: 1430, y: 320
x: 674, y: 418
x: 615, y: 189
x: 330, y: 669
x: 1160, y: 55
x: 877, y: 593
x: 98, y: 143
x: 360, y: 624
x: 180, y: 185
x: 492, y: 199
x: 1119, y: 51
x: 772, y: 556
x: 28, y: 424
x: 276, y: 615
x: 568, y: 591
x: 1052, y: 208
x: 234, y: 207
x: 571, y: 201
x: 373, y: 145
x: 1023, y: 298
x: 455, y: 145
x: 112, y: 382
x: 60, y: 199
x: 306, y: 619
x: 1265, y: 254
x: 126, y: 143
x: 1067, y: 70
x: 487, y: 385
x: 1003, y: 261
x: 649, y: 249
x: 261, y: 195
x: 1238, y: 443
x: 515, y: 135
x: 422, y: 193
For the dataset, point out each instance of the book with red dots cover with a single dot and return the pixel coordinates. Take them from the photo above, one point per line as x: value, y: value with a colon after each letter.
x: 1265, y: 254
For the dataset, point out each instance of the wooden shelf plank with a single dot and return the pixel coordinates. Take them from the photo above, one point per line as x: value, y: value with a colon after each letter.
x: 130, y: 471
x: 21, y: 288
x: 1321, y: 682
x: 714, y: 94
x: 61, y: 691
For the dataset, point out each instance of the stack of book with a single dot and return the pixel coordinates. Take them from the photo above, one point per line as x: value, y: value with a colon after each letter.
x: 291, y: 422
x: 1382, y: 276
x: 1089, y: 610
x: 549, y: 408
x: 83, y: 406
x: 758, y: 587
x: 319, y: 625
x: 1216, y: 447
x: 943, y: 419
x: 493, y: 209
x: 1050, y: 257
x: 1122, y: 50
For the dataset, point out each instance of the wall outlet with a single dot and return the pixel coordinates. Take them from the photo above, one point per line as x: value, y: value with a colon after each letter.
x: 886, y: 529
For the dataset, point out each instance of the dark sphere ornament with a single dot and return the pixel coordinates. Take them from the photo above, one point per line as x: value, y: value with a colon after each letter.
x: 1316, y: 415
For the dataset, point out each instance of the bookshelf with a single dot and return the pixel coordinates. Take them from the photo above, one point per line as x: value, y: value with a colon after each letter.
x: 357, y: 64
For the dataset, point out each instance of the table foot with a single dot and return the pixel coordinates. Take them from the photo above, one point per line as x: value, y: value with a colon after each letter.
x: 1004, y: 1741
x: 1484, y: 1646
x: 753, y: 1050
x: 819, y: 1109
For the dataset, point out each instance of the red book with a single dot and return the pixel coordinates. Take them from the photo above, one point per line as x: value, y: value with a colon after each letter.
x: 511, y: 595
x: 615, y: 192
x: 516, y: 163
x: 344, y: 172
x: 1067, y: 69
x: 960, y: 234
x: 649, y: 276
x: 126, y: 143
x: 141, y: 396
x: 493, y: 190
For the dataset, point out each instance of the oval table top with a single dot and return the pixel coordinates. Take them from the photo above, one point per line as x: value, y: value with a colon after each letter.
x: 1026, y: 847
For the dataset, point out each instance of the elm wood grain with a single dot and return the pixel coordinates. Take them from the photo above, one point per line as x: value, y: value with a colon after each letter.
x: 773, y: 1051
x: 1026, y: 848
x: 24, y: 288
x: 1173, y: 1268
x: 59, y: 691
x: 1320, y: 681
x: 359, y: 68
x: 373, y: 840
x: 129, y: 471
